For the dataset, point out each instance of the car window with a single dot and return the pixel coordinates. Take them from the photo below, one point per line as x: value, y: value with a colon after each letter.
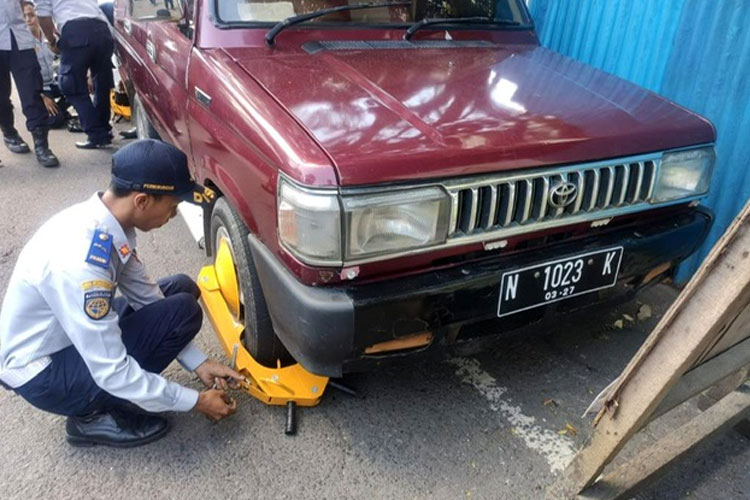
x: 145, y: 10
x: 245, y: 11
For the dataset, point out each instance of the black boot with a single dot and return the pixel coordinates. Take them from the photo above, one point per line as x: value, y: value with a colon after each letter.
x: 41, y: 147
x: 117, y: 427
x: 14, y: 142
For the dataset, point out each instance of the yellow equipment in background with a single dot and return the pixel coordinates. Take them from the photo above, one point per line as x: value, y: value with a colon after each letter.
x: 120, y: 105
x: 290, y: 385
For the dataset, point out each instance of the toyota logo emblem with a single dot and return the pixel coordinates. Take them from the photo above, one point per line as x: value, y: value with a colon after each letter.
x: 563, y: 194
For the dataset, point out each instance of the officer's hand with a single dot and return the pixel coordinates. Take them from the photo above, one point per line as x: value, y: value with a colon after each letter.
x: 209, y: 371
x: 215, y: 404
x: 50, y: 104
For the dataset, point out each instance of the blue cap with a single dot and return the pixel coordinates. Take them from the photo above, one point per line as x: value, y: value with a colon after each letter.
x: 155, y: 167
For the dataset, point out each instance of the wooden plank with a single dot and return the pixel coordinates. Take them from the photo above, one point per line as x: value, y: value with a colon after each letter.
x: 708, y: 305
x: 697, y: 379
x: 735, y: 333
x: 625, y: 481
x: 703, y: 376
x: 725, y: 386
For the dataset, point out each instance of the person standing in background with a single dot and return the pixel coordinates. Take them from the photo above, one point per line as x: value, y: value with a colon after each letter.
x: 53, y: 99
x: 85, y: 45
x: 17, y: 57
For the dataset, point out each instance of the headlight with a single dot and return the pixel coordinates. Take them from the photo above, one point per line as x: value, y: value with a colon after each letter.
x: 394, y: 222
x: 310, y: 223
x: 684, y: 174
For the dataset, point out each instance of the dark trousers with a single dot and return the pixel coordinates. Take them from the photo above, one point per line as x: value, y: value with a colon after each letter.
x: 62, y: 116
x: 153, y: 335
x: 28, y: 76
x: 86, y: 45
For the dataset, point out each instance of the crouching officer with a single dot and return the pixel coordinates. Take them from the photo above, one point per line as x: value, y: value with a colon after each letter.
x: 68, y: 346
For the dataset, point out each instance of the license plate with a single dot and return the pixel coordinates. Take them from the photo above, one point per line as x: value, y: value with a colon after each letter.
x: 559, y: 279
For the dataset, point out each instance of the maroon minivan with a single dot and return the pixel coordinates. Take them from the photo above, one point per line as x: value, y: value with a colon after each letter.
x: 396, y: 176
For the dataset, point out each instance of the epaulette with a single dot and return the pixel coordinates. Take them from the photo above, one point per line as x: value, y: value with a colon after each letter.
x: 99, y: 251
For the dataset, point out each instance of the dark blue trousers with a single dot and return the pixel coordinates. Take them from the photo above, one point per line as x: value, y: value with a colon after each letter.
x: 87, y: 45
x: 154, y: 336
x: 62, y: 116
x: 28, y: 76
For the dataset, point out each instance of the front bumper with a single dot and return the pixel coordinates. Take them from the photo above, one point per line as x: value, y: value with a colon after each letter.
x: 328, y: 329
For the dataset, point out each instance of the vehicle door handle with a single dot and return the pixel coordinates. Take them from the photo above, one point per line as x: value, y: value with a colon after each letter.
x: 127, y: 26
x: 202, y: 97
x: 151, y: 51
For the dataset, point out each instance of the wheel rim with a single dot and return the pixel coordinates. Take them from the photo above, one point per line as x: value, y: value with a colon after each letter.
x: 226, y: 273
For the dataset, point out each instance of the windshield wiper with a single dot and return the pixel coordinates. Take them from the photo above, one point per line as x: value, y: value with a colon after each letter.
x: 447, y: 20
x: 289, y: 21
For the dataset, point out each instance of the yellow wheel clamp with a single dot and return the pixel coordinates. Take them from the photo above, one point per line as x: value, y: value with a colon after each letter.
x: 120, y: 105
x: 290, y: 385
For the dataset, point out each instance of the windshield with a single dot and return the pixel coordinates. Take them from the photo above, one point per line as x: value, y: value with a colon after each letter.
x: 253, y: 11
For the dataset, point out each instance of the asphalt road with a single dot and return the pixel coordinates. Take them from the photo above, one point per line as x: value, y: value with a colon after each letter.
x: 495, y: 424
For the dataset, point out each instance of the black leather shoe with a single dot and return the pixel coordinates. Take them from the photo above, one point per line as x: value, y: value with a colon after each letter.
x: 89, y: 144
x: 16, y: 144
x: 41, y: 148
x: 117, y: 427
x: 129, y: 134
x: 74, y: 126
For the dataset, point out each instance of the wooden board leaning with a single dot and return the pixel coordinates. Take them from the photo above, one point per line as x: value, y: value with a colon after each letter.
x: 703, y: 339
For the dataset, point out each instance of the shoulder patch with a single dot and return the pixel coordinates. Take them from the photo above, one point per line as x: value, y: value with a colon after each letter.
x: 97, y: 284
x: 96, y: 304
x: 99, y: 251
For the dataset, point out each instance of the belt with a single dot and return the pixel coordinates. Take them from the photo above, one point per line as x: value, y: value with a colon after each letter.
x: 16, y: 377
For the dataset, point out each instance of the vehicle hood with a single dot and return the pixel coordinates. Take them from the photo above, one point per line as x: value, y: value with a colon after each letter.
x: 392, y: 115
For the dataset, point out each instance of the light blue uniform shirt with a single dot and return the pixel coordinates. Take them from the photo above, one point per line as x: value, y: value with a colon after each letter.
x: 45, y: 309
x: 63, y: 11
x: 46, y: 63
x: 11, y: 21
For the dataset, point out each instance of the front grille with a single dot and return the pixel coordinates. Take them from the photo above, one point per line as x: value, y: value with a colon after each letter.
x: 527, y: 200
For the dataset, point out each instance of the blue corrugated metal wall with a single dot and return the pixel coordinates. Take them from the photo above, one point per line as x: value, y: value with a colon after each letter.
x: 695, y: 52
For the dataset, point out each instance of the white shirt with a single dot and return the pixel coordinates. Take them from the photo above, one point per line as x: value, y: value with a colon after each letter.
x: 46, y: 60
x: 58, y: 296
x: 11, y: 21
x: 66, y: 10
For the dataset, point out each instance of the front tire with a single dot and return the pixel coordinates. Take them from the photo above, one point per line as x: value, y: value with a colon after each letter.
x: 259, y: 337
x: 143, y: 126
